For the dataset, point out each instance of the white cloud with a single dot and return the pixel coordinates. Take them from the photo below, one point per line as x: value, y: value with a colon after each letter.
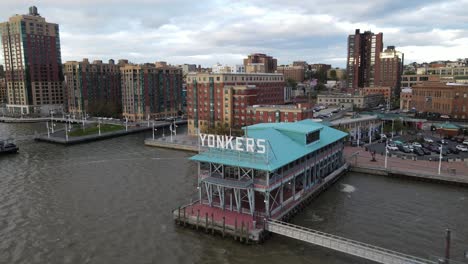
x: 205, y: 32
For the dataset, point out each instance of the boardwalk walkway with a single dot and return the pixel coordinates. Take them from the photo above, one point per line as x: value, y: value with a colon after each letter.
x: 366, y: 251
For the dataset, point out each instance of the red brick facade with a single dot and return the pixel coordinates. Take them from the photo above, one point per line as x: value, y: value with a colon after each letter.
x: 214, y: 99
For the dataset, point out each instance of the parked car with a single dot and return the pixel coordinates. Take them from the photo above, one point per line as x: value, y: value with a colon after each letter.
x: 460, y: 140
x: 453, y: 139
x: 442, y: 141
x: 454, y: 150
x: 462, y: 148
x: 336, y: 111
x: 465, y: 142
x: 426, y: 151
x: 392, y: 147
x: 434, y: 148
x: 404, y: 149
x: 418, y: 151
x: 417, y: 144
x: 445, y: 116
x: 428, y: 140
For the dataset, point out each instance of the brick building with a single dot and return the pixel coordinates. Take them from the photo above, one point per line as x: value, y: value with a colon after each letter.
x: 406, y: 99
x: 3, y: 91
x: 260, y: 63
x: 93, y: 88
x: 438, y: 97
x: 278, y: 113
x: 363, y: 63
x: 391, y: 69
x: 222, y: 99
x: 153, y: 90
x: 408, y: 80
x: 296, y: 73
x: 33, y: 64
x: 349, y: 100
x: 385, y: 91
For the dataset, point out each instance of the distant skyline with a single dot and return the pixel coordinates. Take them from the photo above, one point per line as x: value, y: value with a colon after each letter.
x: 206, y: 32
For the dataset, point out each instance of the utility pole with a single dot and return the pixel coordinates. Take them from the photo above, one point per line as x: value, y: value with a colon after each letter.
x: 440, y: 158
x: 393, y: 123
x: 153, y: 130
x: 66, y: 132
x: 148, y: 118
x: 48, y: 132
x: 386, y: 153
x: 52, y: 121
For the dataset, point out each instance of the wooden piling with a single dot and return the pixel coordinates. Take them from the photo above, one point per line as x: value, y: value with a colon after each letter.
x: 235, y: 228
x: 178, y: 215
x: 212, y: 224
x: 241, y: 232
x: 247, y: 234
x: 224, y: 225
x: 185, y: 217
x: 206, y: 222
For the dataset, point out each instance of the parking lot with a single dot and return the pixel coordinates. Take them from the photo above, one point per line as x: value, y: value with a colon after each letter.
x: 379, y: 148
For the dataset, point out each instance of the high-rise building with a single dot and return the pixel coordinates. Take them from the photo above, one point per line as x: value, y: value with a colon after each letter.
x: 33, y: 63
x: 93, y: 88
x: 150, y: 90
x: 3, y: 91
x: 222, y: 99
x: 260, y: 63
x: 186, y: 68
x: 363, y: 64
x: 391, y: 69
x: 296, y: 73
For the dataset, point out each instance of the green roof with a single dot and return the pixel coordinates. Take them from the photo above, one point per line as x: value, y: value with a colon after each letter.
x: 448, y: 126
x: 285, y: 144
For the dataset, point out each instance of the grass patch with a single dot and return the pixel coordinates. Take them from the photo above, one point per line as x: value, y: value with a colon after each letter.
x: 93, y: 129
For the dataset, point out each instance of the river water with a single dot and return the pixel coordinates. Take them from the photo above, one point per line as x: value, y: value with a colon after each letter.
x: 110, y: 202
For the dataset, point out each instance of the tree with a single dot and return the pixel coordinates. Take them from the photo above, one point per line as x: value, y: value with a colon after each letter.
x: 320, y: 87
x: 333, y: 75
x: 291, y: 83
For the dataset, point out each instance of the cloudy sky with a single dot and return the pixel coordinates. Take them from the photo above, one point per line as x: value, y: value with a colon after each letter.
x: 206, y: 32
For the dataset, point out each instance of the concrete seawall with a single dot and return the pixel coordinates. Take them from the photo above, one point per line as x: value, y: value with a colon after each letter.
x: 170, y: 145
x: 419, y: 176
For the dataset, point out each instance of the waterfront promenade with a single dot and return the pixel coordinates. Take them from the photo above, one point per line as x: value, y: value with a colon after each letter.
x: 361, y: 161
x: 59, y: 136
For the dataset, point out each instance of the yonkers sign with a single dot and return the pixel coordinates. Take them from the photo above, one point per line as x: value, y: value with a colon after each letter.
x: 234, y: 143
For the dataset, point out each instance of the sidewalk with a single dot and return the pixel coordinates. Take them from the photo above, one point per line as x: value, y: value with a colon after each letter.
x: 450, y: 171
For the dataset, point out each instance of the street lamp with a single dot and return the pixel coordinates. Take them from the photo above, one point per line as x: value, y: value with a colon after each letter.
x: 99, y: 125
x: 153, y: 129
x: 440, y: 158
x: 386, y: 153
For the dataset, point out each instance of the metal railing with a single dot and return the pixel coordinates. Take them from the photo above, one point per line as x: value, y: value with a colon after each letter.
x: 352, y: 247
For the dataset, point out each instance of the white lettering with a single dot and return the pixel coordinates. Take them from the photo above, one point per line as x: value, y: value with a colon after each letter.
x: 211, y: 141
x: 220, y: 141
x: 228, y: 144
x: 202, y: 138
x: 261, y: 146
x: 239, y: 144
x: 250, y: 143
x: 233, y: 143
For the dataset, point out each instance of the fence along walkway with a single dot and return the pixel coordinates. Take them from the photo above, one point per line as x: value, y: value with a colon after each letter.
x: 341, y: 244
